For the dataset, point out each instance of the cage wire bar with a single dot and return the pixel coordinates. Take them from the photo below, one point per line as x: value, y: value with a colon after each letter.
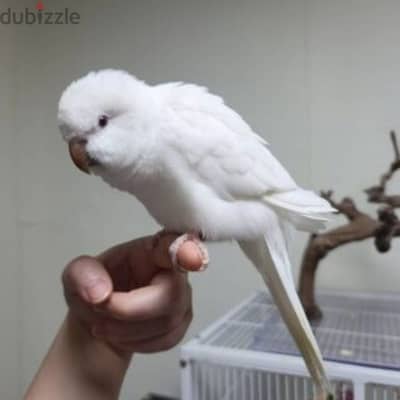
x: 249, y: 355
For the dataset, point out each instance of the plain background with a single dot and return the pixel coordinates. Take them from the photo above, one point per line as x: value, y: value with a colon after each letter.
x: 319, y: 79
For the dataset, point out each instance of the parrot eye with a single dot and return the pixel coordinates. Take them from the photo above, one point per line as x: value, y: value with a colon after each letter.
x: 103, y: 121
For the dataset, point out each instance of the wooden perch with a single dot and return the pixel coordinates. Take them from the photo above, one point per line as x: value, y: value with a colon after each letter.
x: 376, y: 194
x: 388, y: 229
x: 359, y: 226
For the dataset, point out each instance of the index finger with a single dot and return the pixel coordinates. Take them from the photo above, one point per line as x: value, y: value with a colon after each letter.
x: 167, y: 290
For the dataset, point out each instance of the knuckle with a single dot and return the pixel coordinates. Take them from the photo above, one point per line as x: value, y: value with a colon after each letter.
x: 173, y: 321
x: 170, y: 341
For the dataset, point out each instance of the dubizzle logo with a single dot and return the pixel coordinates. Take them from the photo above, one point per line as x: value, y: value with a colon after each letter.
x: 39, y: 16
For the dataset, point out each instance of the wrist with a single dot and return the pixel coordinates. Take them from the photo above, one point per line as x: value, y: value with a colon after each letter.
x: 78, y: 366
x: 97, y: 362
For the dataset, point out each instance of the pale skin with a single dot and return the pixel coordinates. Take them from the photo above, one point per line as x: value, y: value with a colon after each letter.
x: 127, y: 300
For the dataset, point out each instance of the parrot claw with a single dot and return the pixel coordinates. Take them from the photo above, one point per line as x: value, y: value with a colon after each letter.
x: 175, y: 246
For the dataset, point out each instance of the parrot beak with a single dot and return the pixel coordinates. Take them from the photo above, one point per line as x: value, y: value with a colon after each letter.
x: 79, y: 155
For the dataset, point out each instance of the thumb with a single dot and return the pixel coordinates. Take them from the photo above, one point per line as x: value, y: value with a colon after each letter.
x: 86, y: 277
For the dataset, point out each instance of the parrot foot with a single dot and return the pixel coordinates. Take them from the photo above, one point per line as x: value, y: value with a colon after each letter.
x: 175, y: 246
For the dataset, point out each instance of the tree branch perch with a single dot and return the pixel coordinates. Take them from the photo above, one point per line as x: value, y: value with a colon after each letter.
x: 359, y: 226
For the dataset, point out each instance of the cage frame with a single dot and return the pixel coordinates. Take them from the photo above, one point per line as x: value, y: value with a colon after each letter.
x: 194, y: 350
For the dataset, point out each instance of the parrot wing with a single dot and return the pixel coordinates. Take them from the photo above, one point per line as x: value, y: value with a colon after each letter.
x: 224, y: 151
x: 230, y: 158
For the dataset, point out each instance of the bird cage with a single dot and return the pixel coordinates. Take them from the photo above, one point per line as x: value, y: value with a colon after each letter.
x: 249, y: 354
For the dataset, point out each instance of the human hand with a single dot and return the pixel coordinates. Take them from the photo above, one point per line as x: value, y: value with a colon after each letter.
x: 130, y: 297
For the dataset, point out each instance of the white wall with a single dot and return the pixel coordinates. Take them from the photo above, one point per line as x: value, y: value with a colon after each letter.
x: 9, y: 296
x: 317, y: 79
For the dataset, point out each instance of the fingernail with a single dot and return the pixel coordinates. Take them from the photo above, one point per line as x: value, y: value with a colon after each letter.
x: 97, y: 291
x: 205, y: 259
x: 203, y: 267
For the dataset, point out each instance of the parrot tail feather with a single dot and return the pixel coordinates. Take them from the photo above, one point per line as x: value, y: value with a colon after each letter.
x: 303, y: 208
x: 270, y: 257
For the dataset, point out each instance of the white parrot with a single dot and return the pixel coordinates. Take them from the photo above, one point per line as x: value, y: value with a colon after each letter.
x: 198, y: 168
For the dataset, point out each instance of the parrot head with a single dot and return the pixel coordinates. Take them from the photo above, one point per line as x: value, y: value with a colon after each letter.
x: 105, y: 118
